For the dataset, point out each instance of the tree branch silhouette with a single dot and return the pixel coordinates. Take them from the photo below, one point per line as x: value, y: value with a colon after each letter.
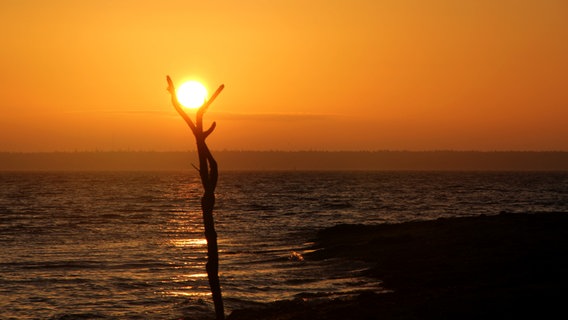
x: 208, y: 173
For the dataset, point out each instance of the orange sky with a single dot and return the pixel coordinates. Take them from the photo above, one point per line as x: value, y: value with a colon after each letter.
x: 299, y: 75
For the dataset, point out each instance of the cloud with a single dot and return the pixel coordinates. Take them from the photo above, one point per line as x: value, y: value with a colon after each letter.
x: 277, y: 117
x: 123, y: 111
x: 217, y: 115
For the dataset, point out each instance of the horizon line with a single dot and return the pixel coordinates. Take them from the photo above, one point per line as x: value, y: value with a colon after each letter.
x: 285, y: 151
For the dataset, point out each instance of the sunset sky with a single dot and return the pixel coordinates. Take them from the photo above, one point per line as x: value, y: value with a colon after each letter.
x: 298, y: 75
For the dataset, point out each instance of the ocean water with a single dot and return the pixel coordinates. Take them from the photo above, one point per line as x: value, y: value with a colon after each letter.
x: 123, y: 245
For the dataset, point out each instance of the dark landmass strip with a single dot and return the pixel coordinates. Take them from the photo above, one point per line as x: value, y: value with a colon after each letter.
x: 280, y: 160
x: 509, y: 266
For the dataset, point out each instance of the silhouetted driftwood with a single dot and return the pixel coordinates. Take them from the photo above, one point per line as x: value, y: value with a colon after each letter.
x: 208, y: 173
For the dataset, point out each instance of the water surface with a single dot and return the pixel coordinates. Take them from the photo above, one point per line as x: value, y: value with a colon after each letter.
x: 130, y: 245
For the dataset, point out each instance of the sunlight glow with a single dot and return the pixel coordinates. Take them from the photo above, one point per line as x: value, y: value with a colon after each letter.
x: 191, y: 94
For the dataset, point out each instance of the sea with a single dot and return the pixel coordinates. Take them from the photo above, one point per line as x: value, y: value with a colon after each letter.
x: 130, y: 245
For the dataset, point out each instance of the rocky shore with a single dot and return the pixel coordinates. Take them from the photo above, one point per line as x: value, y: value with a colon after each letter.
x: 506, y: 266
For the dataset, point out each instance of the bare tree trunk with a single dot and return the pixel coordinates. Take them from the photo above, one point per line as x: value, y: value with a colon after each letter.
x: 209, y: 175
x: 212, y: 265
x: 209, y: 181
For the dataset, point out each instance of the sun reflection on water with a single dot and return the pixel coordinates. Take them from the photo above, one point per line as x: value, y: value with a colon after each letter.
x: 182, y: 235
x: 189, y: 243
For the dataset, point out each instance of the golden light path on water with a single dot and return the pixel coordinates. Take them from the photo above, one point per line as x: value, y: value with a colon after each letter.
x: 194, y: 245
x: 185, y: 237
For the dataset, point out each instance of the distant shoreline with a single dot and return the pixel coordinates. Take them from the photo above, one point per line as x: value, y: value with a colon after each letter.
x: 290, y: 161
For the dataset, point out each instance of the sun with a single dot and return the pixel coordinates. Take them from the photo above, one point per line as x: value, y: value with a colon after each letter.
x: 191, y: 94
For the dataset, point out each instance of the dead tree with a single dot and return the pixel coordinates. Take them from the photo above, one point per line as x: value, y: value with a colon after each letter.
x: 208, y: 173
